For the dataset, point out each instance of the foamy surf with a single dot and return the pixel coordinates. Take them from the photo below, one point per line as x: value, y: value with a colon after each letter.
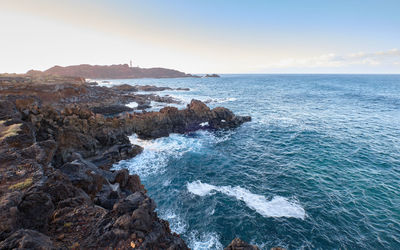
x: 196, y: 241
x: 156, y: 153
x: 176, y: 223
x: 187, y: 98
x: 204, y: 241
x: 277, y: 207
x: 132, y: 105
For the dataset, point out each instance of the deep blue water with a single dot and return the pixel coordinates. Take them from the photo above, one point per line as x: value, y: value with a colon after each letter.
x: 318, y: 167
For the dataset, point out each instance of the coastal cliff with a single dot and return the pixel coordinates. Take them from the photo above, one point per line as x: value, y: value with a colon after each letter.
x: 121, y: 71
x: 56, y: 186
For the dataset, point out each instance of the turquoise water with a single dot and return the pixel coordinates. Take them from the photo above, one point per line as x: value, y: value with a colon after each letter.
x: 318, y: 167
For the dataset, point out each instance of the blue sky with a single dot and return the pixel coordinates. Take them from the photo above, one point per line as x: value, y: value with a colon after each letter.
x: 205, y: 36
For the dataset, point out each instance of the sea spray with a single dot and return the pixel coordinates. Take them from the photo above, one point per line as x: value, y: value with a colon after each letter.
x: 278, y: 206
x: 204, y: 241
x: 158, y: 152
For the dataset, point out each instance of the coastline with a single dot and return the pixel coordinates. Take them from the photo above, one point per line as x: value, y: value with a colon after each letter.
x: 57, y: 190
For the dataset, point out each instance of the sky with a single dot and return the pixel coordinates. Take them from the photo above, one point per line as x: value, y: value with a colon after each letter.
x: 204, y: 36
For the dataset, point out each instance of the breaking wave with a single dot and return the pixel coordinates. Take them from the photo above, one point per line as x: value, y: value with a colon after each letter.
x: 278, y: 206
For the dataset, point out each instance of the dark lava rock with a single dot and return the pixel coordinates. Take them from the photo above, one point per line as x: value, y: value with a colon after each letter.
x: 56, y: 187
x: 27, y: 239
x: 84, y: 175
x: 152, y: 88
x: 171, y: 120
x: 125, y: 88
x: 35, y: 210
x: 238, y: 244
x: 111, y: 110
x: 115, y: 154
x: 211, y: 75
x: 183, y: 89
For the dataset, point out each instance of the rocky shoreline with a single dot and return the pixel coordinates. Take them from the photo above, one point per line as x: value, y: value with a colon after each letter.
x: 56, y: 187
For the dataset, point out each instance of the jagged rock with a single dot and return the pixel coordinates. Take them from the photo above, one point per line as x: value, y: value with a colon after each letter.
x: 152, y: 88
x: 125, y: 88
x: 84, y: 175
x: 171, y: 120
x: 134, y: 183
x: 130, y: 203
x: 8, y: 215
x: 121, y: 177
x: 111, y: 110
x: 8, y: 111
x: 42, y: 151
x: 35, y: 210
x: 238, y: 244
x: 27, y: 239
x: 62, y: 192
x: 54, y: 165
x: 115, y: 154
x: 108, y: 196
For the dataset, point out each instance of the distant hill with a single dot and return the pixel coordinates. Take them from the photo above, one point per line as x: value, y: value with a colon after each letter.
x: 121, y: 71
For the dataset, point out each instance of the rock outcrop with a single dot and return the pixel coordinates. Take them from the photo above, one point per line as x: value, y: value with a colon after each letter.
x: 171, y: 120
x: 211, y: 75
x: 52, y: 196
x: 238, y: 244
x: 61, y: 91
x: 56, y: 187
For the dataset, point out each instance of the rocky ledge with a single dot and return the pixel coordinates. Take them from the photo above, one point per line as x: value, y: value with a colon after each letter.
x: 56, y: 187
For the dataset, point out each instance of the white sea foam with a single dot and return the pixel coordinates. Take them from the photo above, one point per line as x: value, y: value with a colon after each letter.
x: 167, y: 182
x: 187, y: 98
x: 203, y: 124
x: 176, y: 223
x: 204, y: 241
x: 107, y: 83
x: 227, y: 99
x: 201, y: 189
x: 156, y: 106
x: 277, y: 207
x: 158, y: 152
x: 132, y: 105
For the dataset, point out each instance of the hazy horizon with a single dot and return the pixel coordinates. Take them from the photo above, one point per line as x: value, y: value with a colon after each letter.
x: 225, y: 37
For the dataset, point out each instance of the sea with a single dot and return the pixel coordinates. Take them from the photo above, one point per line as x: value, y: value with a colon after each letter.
x: 318, y: 167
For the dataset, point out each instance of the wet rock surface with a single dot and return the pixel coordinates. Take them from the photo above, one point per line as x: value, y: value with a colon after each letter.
x: 238, y: 244
x: 56, y: 187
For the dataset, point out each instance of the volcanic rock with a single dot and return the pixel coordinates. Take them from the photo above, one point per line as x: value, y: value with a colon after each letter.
x: 238, y: 244
x: 56, y: 187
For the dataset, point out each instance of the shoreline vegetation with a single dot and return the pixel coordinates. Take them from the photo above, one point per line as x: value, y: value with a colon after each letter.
x: 60, y: 135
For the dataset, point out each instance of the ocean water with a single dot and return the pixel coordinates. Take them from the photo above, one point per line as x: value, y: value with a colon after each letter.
x: 318, y: 167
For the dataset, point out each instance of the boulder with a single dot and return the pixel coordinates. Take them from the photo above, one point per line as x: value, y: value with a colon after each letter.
x: 85, y: 175
x: 35, y: 210
x: 238, y: 244
x: 27, y: 239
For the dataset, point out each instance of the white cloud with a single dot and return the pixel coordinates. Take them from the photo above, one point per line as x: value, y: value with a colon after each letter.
x: 331, y: 60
